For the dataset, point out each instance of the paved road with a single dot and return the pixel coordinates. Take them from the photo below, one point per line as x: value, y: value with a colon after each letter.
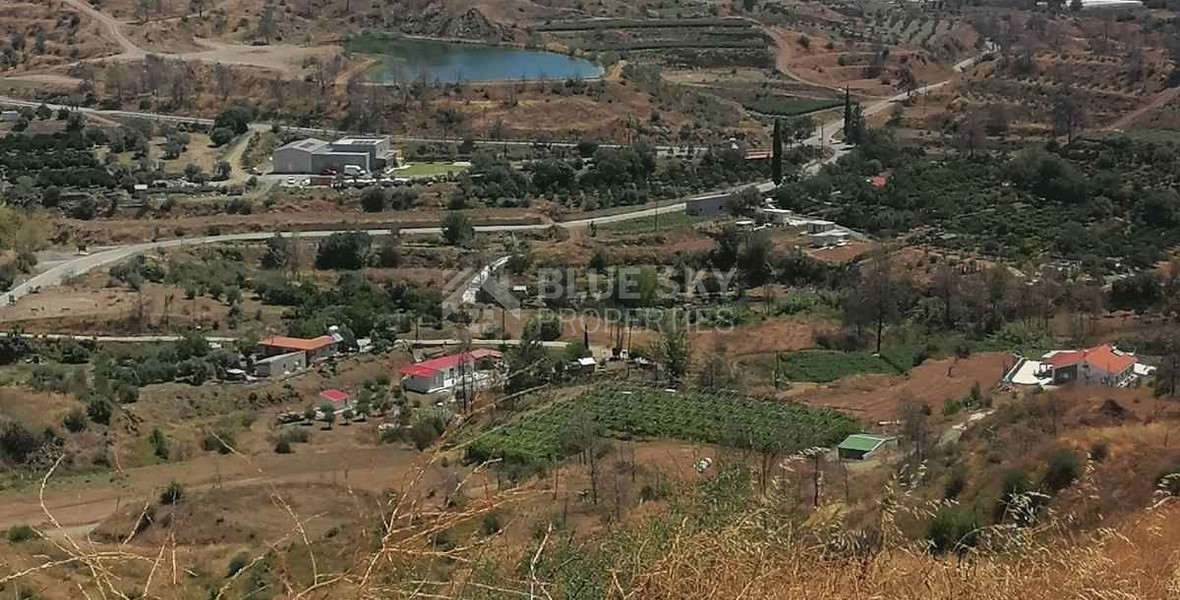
x: 82, y: 264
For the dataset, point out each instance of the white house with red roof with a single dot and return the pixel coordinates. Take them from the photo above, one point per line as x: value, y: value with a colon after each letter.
x: 1100, y: 365
x: 446, y: 372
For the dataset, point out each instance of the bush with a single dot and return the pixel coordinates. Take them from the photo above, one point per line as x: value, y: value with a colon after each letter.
x: 159, y: 444
x: 955, y: 483
x: 17, y: 442
x: 426, y: 430
x: 99, y: 411
x: 20, y: 533
x: 295, y: 435
x: 172, y: 493
x: 221, y: 136
x: 491, y: 524
x: 283, y: 446
x: 953, y: 530
x: 221, y: 441
x: 456, y: 228
x: 1063, y: 470
x: 1015, y: 500
x: 373, y: 199
x: 74, y: 421
x: 1099, y: 451
x: 236, y: 564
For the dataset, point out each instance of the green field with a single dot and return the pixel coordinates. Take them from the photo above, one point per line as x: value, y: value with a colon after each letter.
x: 427, y: 169
x: 787, y: 106
x: 823, y: 366
x: 562, y: 428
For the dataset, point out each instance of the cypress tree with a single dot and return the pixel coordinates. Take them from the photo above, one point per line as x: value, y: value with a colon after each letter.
x: 847, y: 109
x: 776, y: 165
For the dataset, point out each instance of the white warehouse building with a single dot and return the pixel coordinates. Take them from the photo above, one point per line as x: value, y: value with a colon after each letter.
x: 314, y: 156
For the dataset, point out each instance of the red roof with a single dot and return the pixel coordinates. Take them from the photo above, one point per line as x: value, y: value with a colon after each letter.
x: 334, y: 395
x: 294, y: 343
x: 428, y: 368
x: 879, y: 181
x: 1103, y: 357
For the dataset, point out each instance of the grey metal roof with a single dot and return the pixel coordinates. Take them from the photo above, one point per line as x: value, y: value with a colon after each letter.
x: 307, y: 145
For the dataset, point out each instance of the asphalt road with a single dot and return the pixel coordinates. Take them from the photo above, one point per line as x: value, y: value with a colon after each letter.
x: 82, y: 264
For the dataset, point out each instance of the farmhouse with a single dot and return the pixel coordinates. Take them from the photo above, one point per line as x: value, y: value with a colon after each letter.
x: 312, y: 349
x: 280, y: 364
x: 861, y: 446
x: 1101, y: 365
x: 314, y: 156
x: 446, y: 372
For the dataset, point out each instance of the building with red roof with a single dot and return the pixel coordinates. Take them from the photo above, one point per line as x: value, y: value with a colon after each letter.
x: 313, y: 349
x: 335, y: 396
x: 446, y: 372
x: 1100, y: 365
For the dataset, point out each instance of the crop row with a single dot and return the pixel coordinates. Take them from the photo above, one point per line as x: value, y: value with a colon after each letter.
x: 565, y: 428
x: 640, y: 24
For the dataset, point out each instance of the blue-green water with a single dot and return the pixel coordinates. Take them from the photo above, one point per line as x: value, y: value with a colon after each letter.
x: 405, y: 59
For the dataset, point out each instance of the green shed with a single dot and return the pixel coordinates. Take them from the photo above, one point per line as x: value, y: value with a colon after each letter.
x: 860, y: 446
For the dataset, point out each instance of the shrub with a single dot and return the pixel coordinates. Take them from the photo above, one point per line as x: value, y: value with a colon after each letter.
x: 1099, y: 451
x: 444, y: 540
x: 283, y: 446
x: 221, y: 441
x: 74, y: 421
x: 426, y: 430
x: 456, y: 228
x: 159, y: 444
x: 491, y: 524
x: 1063, y: 470
x: 17, y: 442
x: 236, y: 564
x: 296, y: 435
x: 221, y: 136
x: 1015, y: 500
x: 373, y: 199
x: 172, y: 493
x: 20, y: 533
x: 953, y: 530
x: 955, y: 483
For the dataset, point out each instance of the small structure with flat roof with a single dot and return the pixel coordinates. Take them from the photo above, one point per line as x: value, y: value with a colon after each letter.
x: 861, y: 446
x: 280, y: 365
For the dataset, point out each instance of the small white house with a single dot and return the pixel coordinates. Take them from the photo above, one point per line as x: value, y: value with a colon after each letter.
x: 446, y: 372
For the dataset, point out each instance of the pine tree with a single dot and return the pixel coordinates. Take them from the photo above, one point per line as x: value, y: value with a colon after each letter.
x: 776, y: 165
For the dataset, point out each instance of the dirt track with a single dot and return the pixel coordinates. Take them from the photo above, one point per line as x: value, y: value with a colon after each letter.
x: 80, y: 501
x: 1160, y: 100
x: 285, y: 59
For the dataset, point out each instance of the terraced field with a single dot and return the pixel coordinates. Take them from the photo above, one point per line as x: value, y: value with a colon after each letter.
x: 692, y: 41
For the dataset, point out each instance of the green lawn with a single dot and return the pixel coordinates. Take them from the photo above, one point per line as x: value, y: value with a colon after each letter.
x: 427, y: 169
